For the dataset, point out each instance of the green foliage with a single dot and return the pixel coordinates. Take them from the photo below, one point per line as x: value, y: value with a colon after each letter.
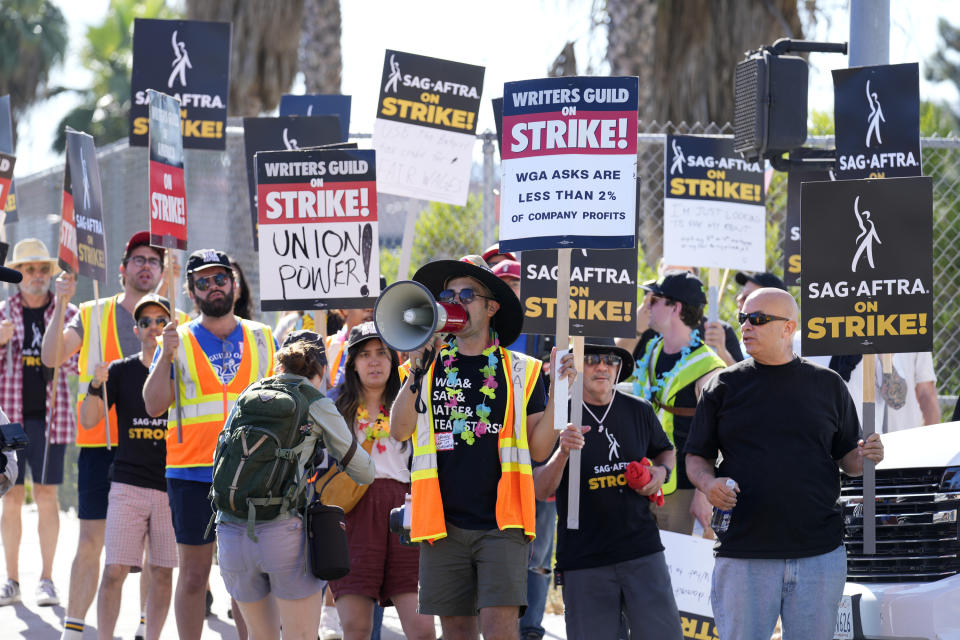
x: 33, y: 38
x: 942, y: 65
x: 821, y: 123
x: 108, y: 54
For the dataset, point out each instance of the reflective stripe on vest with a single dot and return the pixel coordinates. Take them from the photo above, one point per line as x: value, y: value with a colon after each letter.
x: 515, y: 507
x: 205, y: 401
x: 701, y: 361
x: 97, y: 330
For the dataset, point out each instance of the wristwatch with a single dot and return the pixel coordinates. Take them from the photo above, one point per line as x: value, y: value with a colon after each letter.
x: 666, y: 478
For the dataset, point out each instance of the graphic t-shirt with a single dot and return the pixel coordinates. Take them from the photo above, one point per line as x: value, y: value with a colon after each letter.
x: 615, y: 521
x: 142, y: 451
x: 469, y: 473
x: 34, y: 374
x: 781, y: 429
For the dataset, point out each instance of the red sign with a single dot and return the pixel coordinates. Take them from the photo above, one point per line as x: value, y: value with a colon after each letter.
x: 168, y: 192
x: 6, y: 175
x: 67, y: 250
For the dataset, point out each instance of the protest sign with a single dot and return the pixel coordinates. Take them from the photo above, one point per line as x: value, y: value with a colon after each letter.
x: 569, y: 163
x: 713, y: 207
x: 87, y: 205
x: 168, y: 192
x: 498, y: 122
x: 278, y: 134
x: 9, y: 203
x: 791, y: 240
x: 690, y: 564
x: 317, y: 104
x: 67, y: 250
x: 425, y: 126
x: 877, y: 115
x: 7, y: 161
x: 319, y: 244
x: 867, y: 266
x: 191, y: 60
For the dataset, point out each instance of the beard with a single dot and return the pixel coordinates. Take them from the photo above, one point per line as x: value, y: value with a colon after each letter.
x: 217, y: 308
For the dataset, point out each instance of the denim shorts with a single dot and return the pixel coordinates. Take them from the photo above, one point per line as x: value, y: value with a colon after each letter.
x: 275, y: 564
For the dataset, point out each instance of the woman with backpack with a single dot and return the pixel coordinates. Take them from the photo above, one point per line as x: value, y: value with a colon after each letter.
x: 263, y: 560
x: 382, y: 569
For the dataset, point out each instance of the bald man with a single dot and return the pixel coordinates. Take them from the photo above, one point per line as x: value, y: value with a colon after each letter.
x: 783, y: 426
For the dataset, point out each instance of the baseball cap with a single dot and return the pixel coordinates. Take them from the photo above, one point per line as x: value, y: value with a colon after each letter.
x: 764, y: 279
x: 139, y: 239
x: 494, y: 250
x: 149, y: 299
x: 310, y: 337
x: 507, y: 269
x: 361, y: 333
x: 679, y: 285
x: 206, y: 258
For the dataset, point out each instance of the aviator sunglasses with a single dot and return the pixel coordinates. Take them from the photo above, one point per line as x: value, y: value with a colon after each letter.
x: 466, y: 296
x: 144, y: 323
x: 758, y: 318
x: 608, y: 359
x: 219, y: 279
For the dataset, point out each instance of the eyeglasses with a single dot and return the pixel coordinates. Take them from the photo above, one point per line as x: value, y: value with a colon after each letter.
x: 32, y: 269
x: 139, y: 261
x: 219, y: 279
x: 144, y: 323
x: 758, y: 318
x: 608, y: 359
x: 466, y: 296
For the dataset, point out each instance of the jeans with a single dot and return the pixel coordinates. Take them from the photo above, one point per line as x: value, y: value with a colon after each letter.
x: 749, y: 594
x: 538, y: 570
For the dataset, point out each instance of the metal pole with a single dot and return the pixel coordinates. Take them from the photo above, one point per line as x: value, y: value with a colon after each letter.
x: 869, y: 45
x: 489, y: 184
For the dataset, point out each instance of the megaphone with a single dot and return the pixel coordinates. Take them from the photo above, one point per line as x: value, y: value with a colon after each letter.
x: 407, y: 316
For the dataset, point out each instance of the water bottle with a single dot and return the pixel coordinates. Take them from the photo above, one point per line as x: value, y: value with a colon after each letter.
x: 721, y: 517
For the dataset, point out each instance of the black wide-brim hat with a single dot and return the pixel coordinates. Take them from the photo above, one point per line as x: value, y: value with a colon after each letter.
x: 507, y: 321
x: 607, y: 345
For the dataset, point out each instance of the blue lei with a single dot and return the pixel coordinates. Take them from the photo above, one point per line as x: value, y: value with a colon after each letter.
x: 660, y: 383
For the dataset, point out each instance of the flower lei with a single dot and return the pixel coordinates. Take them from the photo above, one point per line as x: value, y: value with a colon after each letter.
x: 661, y: 382
x: 380, y: 428
x: 455, y: 393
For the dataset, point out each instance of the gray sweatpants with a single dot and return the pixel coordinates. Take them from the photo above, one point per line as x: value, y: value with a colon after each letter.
x: 593, y: 599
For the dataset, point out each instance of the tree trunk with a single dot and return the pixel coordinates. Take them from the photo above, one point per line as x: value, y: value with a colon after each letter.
x: 321, y: 59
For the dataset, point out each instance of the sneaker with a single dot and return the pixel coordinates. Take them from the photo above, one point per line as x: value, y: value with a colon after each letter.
x: 10, y: 592
x: 47, y: 594
x: 330, y: 628
x: 209, y: 603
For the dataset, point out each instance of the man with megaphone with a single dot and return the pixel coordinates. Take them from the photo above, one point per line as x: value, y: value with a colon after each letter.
x: 479, y: 414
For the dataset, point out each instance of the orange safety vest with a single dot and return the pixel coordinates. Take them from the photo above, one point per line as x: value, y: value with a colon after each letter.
x: 102, y: 333
x: 516, y: 506
x: 334, y: 364
x: 205, y: 400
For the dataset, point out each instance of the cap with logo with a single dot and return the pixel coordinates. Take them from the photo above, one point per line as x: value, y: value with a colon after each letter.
x: 207, y: 258
x: 763, y: 279
x: 360, y: 334
x: 507, y: 269
x: 682, y: 286
x: 151, y: 299
x: 310, y: 337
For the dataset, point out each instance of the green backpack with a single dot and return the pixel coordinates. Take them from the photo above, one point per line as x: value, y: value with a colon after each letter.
x: 265, y: 452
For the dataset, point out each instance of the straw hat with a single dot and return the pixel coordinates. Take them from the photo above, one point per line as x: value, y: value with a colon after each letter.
x: 32, y: 250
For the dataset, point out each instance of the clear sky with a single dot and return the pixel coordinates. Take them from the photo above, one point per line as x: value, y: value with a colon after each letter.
x: 514, y: 40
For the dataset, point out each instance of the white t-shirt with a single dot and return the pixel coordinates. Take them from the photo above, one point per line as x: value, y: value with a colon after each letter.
x: 392, y: 462
x: 914, y: 368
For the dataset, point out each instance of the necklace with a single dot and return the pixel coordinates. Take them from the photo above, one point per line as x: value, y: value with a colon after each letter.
x: 378, y: 430
x: 661, y: 382
x: 604, y: 416
x: 455, y: 392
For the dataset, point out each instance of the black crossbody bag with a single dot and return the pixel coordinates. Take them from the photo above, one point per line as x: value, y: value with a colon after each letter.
x: 326, y: 530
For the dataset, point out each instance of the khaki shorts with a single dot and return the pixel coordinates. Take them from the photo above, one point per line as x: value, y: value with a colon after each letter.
x: 471, y: 570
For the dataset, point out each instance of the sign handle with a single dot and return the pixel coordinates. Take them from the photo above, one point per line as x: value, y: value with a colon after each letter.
x: 713, y: 295
x: 106, y: 409
x: 58, y: 325
x: 576, y: 417
x: 869, y: 476
x: 723, y: 287
x: 562, y: 334
x: 176, y: 362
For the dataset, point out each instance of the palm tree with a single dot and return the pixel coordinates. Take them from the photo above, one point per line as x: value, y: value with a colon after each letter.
x: 321, y: 59
x: 33, y: 38
x: 263, y: 59
x: 685, y: 52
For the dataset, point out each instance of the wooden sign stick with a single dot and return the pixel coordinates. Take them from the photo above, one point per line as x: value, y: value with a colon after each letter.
x: 170, y: 242
x: 869, y: 476
x: 58, y: 325
x: 106, y: 409
x: 713, y: 295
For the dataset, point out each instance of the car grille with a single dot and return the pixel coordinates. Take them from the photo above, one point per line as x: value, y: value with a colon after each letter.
x: 917, y: 535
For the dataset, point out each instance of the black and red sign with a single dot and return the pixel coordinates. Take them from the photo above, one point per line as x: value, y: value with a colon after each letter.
x: 87, y: 205
x: 67, y: 249
x: 168, y: 192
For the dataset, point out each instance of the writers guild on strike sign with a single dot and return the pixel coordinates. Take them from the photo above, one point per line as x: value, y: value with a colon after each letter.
x: 867, y: 266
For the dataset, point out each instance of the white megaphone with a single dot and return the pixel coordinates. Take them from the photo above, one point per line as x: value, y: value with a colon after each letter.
x: 407, y: 316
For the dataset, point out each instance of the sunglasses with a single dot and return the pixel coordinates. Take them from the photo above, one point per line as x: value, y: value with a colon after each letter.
x: 32, y: 269
x: 758, y: 318
x: 608, y: 359
x: 144, y: 323
x: 466, y: 296
x: 204, y: 283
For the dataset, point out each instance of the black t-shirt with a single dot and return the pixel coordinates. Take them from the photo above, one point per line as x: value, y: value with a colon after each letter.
x: 141, y: 456
x: 730, y: 341
x: 781, y: 430
x: 34, y: 374
x: 469, y: 473
x: 687, y: 398
x: 615, y: 521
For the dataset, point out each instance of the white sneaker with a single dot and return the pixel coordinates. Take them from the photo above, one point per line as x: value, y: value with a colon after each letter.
x: 330, y: 628
x: 10, y: 593
x: 47, y: 594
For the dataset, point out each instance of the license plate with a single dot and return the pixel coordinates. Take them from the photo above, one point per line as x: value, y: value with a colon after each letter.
x: 844, y: 628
